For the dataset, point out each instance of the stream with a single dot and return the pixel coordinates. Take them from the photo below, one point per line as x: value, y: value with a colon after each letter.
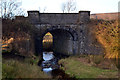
x: 49, y: 63
x: 51, y: 68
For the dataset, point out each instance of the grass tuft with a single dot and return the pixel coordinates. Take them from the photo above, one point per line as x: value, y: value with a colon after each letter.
x: 76, y: 68
x: 16, y: 69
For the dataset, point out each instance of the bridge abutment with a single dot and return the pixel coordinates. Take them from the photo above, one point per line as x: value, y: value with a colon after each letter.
x: 70, y: 31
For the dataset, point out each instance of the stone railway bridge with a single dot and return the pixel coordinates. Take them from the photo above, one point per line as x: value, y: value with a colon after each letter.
x: 70, y: 32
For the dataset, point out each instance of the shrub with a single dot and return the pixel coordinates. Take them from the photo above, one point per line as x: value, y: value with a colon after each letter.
x: 107, y: 34
x: 16, y: 69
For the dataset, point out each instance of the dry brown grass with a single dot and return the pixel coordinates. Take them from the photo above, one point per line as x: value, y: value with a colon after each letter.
x: 107, y: 34
x: 16, y: 69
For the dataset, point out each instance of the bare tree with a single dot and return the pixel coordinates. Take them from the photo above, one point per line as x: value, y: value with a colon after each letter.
x: 63, y: 7
x: 69, y: 6
x: 11, y: 8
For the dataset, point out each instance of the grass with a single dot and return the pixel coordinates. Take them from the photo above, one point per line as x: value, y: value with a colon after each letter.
x: 0, y: 66
x: 16, y: 69
x: 79, y: 69
x: 0, y: 70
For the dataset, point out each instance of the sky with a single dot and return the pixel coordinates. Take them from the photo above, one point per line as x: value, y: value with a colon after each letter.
x: 54, y: 6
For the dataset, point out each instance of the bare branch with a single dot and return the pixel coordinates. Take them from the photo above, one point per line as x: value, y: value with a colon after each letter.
x: 63, y: 7
x: 10, y: 8
x: 69, y: 6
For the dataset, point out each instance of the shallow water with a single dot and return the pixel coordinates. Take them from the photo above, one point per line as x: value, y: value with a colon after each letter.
x: 48, y: 56
x: 49, y: 63
x: 51, y: 68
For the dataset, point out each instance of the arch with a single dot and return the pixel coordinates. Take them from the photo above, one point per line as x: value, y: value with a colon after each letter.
x: 70, y: 41
x: 68, y: 29
x: 47, y: 42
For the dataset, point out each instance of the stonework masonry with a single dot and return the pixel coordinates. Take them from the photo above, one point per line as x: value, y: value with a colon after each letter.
x: 70, y: 32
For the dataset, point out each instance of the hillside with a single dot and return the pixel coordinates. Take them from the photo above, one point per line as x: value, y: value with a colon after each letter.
x: 105, y: 16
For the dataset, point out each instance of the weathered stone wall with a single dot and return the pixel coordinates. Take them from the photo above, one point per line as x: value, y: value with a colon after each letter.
x: 62, y: 42
x: 59, y: 18
x: 76, y: 39
x: 33, y: 16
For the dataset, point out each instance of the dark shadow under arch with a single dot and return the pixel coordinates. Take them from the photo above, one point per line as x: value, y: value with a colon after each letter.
x: 69, y: 31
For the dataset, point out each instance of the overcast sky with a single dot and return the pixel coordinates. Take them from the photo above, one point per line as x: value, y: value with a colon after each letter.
x: 54, y: 6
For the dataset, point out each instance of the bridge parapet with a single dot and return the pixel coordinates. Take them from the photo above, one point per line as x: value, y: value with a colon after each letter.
x: 58, y: 18
x: 34, y: 16
x: 84, y: 16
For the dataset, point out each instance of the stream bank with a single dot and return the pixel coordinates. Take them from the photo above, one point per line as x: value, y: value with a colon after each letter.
x: 80, y: 67
x: 51, y: 67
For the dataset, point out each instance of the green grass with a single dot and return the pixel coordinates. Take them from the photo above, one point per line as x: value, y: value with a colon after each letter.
x: 16, y: 69
x: 75, y: 68
x: 0, y: 69
x: 0, y: 66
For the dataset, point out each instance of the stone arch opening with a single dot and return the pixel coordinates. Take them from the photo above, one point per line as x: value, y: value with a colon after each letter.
x: 47, y: 42
x: 64, y: 41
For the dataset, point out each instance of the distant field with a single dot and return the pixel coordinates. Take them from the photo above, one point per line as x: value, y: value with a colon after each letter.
x: 105, y: 16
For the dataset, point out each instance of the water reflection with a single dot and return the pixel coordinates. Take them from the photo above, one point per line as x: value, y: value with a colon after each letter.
x: 48, y: 71
x: 48, y: 55
x: 50, y: 67
x: 49, y: 63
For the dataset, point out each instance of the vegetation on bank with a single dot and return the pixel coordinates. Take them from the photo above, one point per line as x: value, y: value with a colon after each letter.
x: 87, y: 67
x: 19, y: 60
x: 107, y: 34
x: 18, y: 36
x: 22, y: 69
x: 0, y: 67
x: 19, y: 31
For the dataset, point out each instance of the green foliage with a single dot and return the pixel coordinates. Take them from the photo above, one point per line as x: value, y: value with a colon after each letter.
x: 8, y: 71
x: 0, y: 67
x: 78, y: 69
x: 34, y: 60
x: 97, y: 59
x: 5, y: 51
x: 16, y: 69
